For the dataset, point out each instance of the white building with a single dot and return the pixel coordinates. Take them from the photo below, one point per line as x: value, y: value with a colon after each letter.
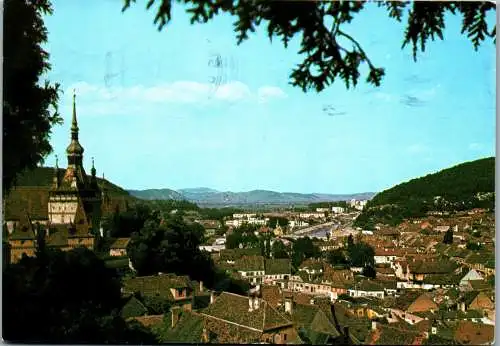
x: 471, y: 275
x: 359, y: 205
x: 244, y: 216
x: 311, y: 215
x: 322, y: 210
x: 338, y: 210
x: 298, y: 223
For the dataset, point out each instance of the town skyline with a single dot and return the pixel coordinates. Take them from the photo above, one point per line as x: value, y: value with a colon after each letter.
x: 252, y: 130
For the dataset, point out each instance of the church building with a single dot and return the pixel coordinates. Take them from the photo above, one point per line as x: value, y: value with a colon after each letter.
x: 73, y: 208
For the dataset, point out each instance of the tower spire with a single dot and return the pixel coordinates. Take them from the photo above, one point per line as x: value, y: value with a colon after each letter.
x: 74, y: 150
x: 74, y: 122
x: 56, y: 174
x: 93, y: 170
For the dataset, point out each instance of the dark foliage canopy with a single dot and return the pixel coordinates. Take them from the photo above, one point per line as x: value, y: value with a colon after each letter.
x: 171, y: 246
x: 330, y: 52
x: 29, y: 104
x: 279, y: 250
x: 361, y: 255
x: 448, y: 236
x: 65, y: 297
x: 303, y: 248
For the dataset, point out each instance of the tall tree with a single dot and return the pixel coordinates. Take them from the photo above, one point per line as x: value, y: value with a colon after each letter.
x: 361, y: 255
x: 171, y: 247
x: 336, y: 257
x: 29, y: 103
x: 448, y: 236
x: 330, y: 51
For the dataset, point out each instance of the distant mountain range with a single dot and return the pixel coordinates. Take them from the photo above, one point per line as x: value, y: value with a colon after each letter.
x: 205, y: 196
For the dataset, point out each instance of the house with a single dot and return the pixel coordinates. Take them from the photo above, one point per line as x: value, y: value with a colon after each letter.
x: 178, y: 290
x: 367, y: 288
x: 383, y: 256
x: 231, y: 255
x: 133, y: 308
x: 385, y: 272
x: 272, y: 294
x: 477, y: 285
x: 251, y: 268
x: 389, y: 284
x: 469, y: 333
x: 311, y: 215
x: 338, y: 210
x: 382, y: 334
x: 412, y: 302
x: 419, y: 269
x: 356, y: 327
x: 313, y: 325
x: 119, y: 247
x: 442, y: 229
x: 233, y: 318
x: 483, y: 262
x: 277, y: 269
x: 244, y: 216
x: 339, y: 281
x: 471, y: 275
x: 312, y: 267
x: 328, y: 245
x: 322, y: 210
x: 212, y: 248
x: 476, y: 300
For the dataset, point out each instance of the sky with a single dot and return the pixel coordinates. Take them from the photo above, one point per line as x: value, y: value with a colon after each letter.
x: 155, y: 113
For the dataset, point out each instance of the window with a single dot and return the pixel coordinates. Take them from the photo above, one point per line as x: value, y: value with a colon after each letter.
x: 284, y: 337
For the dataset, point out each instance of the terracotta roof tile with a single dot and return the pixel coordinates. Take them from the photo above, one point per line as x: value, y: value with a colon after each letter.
x: 149, y: 321
x: 278, y: 266
x: 271, y: 294
x: 469, y: 333
x: 235, y: 308
x: 250, y: 263
x: 156, y: 285
x: 120, y: 243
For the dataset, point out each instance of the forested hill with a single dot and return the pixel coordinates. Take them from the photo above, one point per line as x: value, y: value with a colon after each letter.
x: 462, y: 187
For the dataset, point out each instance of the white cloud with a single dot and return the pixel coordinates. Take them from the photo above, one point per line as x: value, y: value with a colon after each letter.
x: 268, y: 92
x: 179, y: 92
x: 384, y: 96
x: 475, y: 146
x: 417, y: 148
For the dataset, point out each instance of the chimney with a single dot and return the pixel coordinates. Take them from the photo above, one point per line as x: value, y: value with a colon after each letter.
x: 204, y: 336
x: 288, y: 306
x: 212, y: 298
x: 250, y: 304
x: 346, y: 335
x: 256, y: 303
x: 175, y: 311
x: 201, y: 286
x: 374, y: 325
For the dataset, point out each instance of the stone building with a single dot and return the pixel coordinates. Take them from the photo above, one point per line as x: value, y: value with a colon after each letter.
x: 70, y: 216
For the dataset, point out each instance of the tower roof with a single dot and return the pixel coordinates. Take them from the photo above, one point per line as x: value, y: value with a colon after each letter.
x: 74, y: 148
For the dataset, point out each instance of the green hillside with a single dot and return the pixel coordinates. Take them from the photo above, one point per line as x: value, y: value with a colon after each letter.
x: 43, y: 176
x: 31, y: 192
x: 462, y: 187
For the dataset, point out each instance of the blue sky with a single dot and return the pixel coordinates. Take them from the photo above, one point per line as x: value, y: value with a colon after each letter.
x: 152, y: 117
